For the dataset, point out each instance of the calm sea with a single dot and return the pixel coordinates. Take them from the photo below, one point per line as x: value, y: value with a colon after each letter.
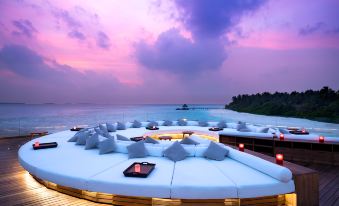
x: 20, y: 119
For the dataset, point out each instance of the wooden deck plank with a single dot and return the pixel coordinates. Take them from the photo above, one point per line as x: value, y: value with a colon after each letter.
x: 18, y: 188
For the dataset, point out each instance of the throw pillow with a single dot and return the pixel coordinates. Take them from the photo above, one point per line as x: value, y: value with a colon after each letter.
x: 182, y: 122
x: 137, y: 150
x: 106, y: 146
x: 175, y: 152
x: 82, y: 138
x: 283, y: 131
x: 122, y: 138
x: 203, y: 124
x: 167, y: 123
x: 264, y: 130
x: 121, y: 126
x: 136, y: 124
x: 189, y: 141
x: 103, y: 128
x: 151, y: 140
x: 222, y: 124
x: 92, y: 142
x: 111, y: 127
x: 153, y: 123
x: 216, y: 152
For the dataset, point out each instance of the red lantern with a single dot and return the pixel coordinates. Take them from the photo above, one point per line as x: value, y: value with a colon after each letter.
x: 137, y: 168
x: 36, y: 144
x: 241, y: 147
x: 281, y: 136
x: 321, y: 139
x: 279, y: 158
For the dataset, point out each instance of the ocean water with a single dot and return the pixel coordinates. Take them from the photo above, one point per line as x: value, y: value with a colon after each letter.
x: 20, y: 119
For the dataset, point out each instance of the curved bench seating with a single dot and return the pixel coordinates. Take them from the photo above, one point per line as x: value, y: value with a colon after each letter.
x: 240, y: 175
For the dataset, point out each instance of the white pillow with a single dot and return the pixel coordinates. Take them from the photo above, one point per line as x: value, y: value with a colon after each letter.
x: 213, y: 124
x: 200, y: 139
x: 121, y: 146
x: 190, y: 149
x: 144, y: 124
x: 192, y: 123
x: 154, y: 150
x: 200, y: 151
x: 276, y: 171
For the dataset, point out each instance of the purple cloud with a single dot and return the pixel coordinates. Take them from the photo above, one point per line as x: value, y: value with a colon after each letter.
x: 31, y: 65
x: 24, y: 27
x: 310, y: 29
x: 37, y: 78
x: 103, y: 40
x: 172, y: 52
x: 65, y: 16
x: 207, y: 21
x: 77, y: 35
x: 205, y: 18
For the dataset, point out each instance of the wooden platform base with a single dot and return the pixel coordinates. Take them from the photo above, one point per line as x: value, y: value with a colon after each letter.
x: 281, y: 200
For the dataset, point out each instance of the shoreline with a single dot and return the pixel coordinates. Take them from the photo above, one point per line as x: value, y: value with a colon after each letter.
x: 318, y: 119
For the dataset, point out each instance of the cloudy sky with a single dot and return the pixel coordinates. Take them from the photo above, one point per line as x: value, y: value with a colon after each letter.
x: 157, y: 51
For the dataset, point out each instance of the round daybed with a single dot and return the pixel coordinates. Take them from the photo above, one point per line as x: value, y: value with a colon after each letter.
x: 71, y: 169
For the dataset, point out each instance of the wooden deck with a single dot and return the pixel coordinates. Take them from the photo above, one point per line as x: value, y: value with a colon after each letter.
x: 17, y: 187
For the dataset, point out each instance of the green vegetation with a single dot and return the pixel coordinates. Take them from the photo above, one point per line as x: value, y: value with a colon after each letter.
x: 320, y: 105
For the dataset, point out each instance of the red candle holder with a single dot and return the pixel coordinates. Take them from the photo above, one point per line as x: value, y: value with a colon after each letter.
x: 137, y: 168
x: 321, y: 139
x: 36, y: 144
x: 281, y: 136
x: 241, y: 147
x: 279, y: 159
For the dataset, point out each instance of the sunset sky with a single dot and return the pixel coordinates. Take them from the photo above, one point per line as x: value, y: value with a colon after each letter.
x: 157, y: 51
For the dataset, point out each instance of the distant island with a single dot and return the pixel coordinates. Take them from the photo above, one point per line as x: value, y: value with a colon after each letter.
x: 322, y: 105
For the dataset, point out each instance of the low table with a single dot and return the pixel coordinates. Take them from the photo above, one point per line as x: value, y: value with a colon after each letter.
x: 298, y: 132
x: 165, y: 138
x: 137, y: 139
x: 187, y: 132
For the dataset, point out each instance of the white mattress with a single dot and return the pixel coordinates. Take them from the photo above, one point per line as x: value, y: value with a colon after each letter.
x: 255, y: 185
x: 157, y: 184
x: 197, y: 178
x: 193, y: 178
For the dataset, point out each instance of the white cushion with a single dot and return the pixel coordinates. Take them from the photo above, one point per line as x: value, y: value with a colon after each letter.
x: 193, y: 177
x: 192, y: 123
x: 190, y: 149
x: 144, y: 124
x: 200, y: 150
x: 197, y: 178
x: 121, y: 146
x: 155, y: 150
x: 200, y: 139
x: 251, y: 182
x: 71, y: 166
x: 157, y: 184
x: 213, y: 124
x: 276, y: 171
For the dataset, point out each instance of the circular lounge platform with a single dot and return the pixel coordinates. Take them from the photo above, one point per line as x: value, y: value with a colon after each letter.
x: 240, y: 177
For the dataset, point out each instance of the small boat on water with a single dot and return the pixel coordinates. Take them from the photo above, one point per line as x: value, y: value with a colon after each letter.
x: 183, y: 107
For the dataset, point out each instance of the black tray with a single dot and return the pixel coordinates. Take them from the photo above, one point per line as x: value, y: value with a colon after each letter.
x: 152, y: 128
x: 76, y: 129
x: 298, y: 132
x: 45, y: 145
x: 215, y: 129
x: 145, y: 169
x: 137, y: 139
